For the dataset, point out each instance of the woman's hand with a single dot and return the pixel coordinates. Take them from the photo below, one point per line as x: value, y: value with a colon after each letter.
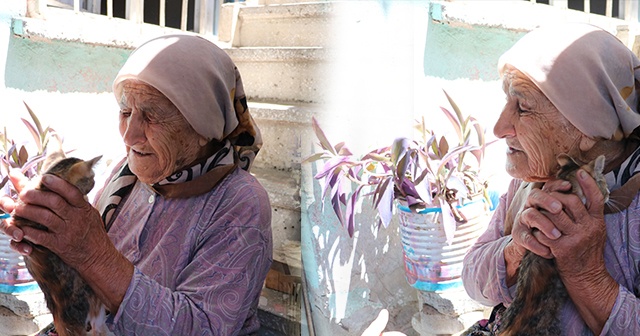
x: 7, y: 204
x: 531, y: 221
x: 376, y: 328
x: 579, y: 249
x: 76, y: 232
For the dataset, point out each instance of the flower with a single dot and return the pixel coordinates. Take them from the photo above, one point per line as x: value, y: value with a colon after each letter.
x: 431, y: 171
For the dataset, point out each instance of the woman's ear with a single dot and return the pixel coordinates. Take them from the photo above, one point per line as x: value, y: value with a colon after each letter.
x: 202, y: 141
x: 586, y: 143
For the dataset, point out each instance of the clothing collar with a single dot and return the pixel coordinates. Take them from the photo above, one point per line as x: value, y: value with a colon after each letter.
x: 623, y: 183
x: 189, y: 182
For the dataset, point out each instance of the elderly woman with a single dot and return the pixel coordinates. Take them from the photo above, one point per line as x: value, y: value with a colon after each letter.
x: 571, y: 89
x: 187, y: 244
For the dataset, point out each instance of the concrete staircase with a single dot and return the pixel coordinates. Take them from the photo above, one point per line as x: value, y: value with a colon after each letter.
x: 279, y: 48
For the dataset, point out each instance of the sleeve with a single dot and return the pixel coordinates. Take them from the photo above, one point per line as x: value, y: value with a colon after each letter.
x: 218, y: 291
x: 484, y: 270
x: 625, y: 315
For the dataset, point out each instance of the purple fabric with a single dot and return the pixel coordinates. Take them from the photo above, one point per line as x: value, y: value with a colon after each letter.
x: 484, y: 272
x: 200, y: 262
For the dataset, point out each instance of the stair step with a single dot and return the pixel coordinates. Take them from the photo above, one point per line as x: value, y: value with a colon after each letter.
x: 283, y: 129
x: 279, y: 313
x: 284, y: 194
x: 277, y: 25
x: 282, y: 74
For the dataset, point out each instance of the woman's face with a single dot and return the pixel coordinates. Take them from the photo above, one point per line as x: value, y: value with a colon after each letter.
x: 158, y: 139
x: 534, y: 130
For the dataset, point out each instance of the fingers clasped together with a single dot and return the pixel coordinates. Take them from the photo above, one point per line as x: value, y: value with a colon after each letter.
x: 557, y: 224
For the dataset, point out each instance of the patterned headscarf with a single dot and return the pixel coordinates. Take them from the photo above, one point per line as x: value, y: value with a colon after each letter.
x: 203, y: 83
x: 589, y: 75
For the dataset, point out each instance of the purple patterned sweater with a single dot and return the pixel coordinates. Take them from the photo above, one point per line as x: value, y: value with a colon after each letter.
x: 200, y: 262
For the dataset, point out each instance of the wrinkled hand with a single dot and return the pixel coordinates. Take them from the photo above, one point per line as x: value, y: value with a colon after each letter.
x: 579, y: 249
x: 8, y: 204
x: 532, y: 222
x: 376, y: 328
x: 76, y: 232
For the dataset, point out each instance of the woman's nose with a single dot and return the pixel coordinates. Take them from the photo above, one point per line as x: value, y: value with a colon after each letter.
x: 504, y: 126
x: 133, y: 132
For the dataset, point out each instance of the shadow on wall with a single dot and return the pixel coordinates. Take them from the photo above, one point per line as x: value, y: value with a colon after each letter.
x: 351, y: 279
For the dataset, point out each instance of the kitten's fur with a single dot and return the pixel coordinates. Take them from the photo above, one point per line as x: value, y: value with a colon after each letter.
x: 540, y: 292
x: 71, y: 301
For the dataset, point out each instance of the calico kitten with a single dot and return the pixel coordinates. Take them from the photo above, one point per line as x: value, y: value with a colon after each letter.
x: 540, y: 292
x: 71, y: 301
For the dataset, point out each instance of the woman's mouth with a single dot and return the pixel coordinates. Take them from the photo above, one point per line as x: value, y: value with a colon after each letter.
x: 138, y: 153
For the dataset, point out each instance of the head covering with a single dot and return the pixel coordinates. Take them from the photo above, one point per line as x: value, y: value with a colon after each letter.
x: 592, y: 78
x: 203, y: 83
x: 201, y: 80
x: 589, y: 75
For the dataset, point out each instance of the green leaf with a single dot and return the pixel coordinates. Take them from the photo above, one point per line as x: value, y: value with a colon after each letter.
x: 375, y: 156
x: 455, y: 122
x: 399, y: 148
x: 4, y: 181
x: 315, y: 157
x: 454, y: 154
x: 401, y: 168
x: 385, y: 202
x: 324, y: 142
x: 479, y: 131
x: 35, y: 118
x: 23, y: 156
x: 455, y: 107
x: 443, y: 147
x: 34, y: 134
x: 5, y: 140
x: 342, y: 149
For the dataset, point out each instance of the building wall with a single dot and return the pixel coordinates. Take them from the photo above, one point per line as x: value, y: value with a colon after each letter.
x: 60, y: 66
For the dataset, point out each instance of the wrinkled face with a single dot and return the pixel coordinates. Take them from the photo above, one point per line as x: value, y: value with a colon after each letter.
x: 158, y: 139
x: 534, y: 130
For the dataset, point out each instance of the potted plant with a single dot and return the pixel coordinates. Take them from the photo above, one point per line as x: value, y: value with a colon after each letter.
x: 435, y: 184
x: 14, y: 277
x: 13, y: 155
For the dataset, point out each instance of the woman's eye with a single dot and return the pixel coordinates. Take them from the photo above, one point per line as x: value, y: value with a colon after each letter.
x: 125, y: 113
x: 523, y: 109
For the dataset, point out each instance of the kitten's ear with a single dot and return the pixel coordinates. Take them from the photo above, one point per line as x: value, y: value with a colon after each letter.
x: 54, y: 153
x: 565, y: 161
x: 598, y: 164
x: 91, y: 163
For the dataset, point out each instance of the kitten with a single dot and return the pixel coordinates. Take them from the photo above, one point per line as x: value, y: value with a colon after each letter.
x: 540, y: 292
x: 71, y: 301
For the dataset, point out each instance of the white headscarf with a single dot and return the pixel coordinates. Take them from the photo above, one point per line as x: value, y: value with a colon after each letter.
x: 202, y: 81
x: 589, y: 75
